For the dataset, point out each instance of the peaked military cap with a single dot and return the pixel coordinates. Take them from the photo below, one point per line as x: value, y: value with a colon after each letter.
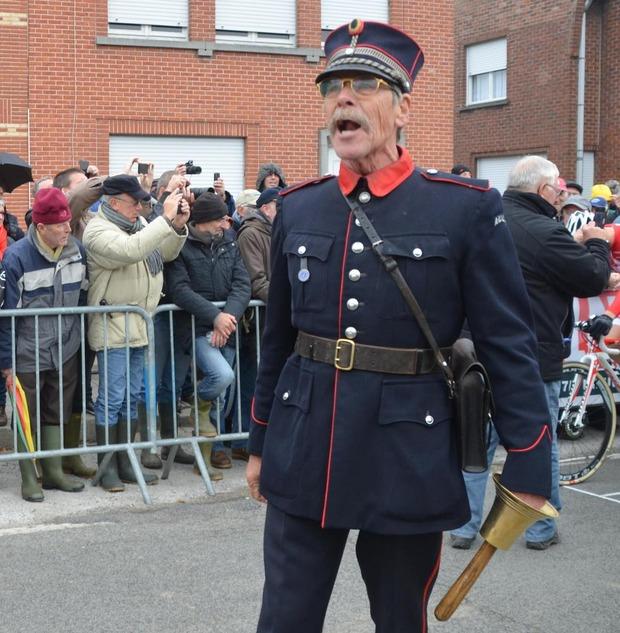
x: 375, y: 48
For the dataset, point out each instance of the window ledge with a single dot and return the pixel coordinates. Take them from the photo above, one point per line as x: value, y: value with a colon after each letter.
x: 206, y: 49
x: 484, y: 104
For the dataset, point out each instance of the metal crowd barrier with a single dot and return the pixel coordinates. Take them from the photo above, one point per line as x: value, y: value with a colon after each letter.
x: 152, y: 442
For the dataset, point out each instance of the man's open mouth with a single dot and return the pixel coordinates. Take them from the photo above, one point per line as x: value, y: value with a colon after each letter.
x: 346, y: 125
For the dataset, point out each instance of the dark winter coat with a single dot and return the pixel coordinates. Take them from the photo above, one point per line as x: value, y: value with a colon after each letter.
x: 555, y: 268
x: 254, y: 239
x: 202, y: 274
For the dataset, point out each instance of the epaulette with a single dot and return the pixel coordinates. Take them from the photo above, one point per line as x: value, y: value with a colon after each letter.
x: 440, y: 176
x: 305, y: 183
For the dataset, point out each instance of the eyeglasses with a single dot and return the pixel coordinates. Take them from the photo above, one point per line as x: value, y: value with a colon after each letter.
x: 131, y: 203
x: 557, y: 191
x: 361, y: 86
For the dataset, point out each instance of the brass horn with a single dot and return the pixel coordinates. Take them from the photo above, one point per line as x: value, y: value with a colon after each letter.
x: 508, y: 518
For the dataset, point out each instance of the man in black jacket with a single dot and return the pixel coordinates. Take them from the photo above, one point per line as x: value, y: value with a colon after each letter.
x: 209, y: 269
x: 556, y: 268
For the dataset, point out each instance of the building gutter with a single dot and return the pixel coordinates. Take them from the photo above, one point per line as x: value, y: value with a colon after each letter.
x: 581, y: 94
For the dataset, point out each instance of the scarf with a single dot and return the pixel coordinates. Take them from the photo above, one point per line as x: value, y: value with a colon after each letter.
x: 154, y: 260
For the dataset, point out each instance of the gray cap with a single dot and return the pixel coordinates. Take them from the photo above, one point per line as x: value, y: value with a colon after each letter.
x: 579, y: 202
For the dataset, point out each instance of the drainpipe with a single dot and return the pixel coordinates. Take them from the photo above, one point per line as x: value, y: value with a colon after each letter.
x: 581, y: 94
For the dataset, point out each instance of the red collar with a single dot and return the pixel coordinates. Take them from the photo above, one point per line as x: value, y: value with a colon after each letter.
x: 380, y: 182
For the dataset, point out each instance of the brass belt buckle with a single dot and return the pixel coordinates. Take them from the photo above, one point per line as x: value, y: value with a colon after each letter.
x: 340, y: 343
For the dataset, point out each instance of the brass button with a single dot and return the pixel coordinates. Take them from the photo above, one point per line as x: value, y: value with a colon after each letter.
x: 417, y: 252
x: 350, y: 332
x: 353, y: 304
x: 364, y: 197
x: 354, y: 274
x: 286, y: 395
x: 301, y: 250
x: 357, y: 247
x: 429, y: 419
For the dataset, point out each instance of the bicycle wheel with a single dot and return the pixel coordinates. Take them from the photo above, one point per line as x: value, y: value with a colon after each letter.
x: 586, y: 427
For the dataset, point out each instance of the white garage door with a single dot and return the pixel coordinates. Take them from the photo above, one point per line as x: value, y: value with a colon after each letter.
x: 496, y: 169
x: 223, y: 155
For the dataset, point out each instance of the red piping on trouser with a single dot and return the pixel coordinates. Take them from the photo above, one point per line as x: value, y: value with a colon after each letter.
x: 535, y: 444
x: 254, y: 418
x: 336, y: 374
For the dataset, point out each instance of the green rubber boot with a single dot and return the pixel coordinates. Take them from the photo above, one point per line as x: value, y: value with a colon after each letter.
x: 31, y: 490
x: 147, y: 459
x: 167, y: 431
x: 109, y: 479
x: 206, y: 448
x: 125, y: 471
x: 53, y: 477
x: 73, y: 464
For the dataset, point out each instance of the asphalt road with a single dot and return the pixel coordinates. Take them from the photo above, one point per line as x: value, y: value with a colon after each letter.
x: 196, y: 566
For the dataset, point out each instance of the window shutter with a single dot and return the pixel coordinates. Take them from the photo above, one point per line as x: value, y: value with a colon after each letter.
x: 337, y: 12
x: 269, y: 16
x: 486, y: 57
x: 151, y: 12
x: 225, y: 155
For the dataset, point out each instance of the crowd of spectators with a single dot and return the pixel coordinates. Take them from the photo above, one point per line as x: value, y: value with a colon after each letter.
x: 131, y: 239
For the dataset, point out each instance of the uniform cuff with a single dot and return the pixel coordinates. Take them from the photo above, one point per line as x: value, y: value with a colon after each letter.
x: 256, y: 439
x: 529, y: 470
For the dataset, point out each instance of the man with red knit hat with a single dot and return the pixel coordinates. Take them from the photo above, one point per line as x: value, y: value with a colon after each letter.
x: 352, y: 421
x: 47, y: 269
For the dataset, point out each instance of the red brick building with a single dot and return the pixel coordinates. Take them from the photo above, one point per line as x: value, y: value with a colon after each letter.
x: 227, y: 83
x: 519, y: 66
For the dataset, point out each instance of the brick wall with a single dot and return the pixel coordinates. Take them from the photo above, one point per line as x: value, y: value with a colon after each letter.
x: 541, y: 112
x: 79, y: 93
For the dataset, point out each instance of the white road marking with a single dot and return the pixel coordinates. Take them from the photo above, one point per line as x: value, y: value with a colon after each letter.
x: 54, y: 527
x: 592, y: 494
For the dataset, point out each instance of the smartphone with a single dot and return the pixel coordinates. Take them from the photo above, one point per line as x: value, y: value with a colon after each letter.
x: 83, y: 165
x: 143, y: 168
x: 216, y: 176
x: 599, y: 218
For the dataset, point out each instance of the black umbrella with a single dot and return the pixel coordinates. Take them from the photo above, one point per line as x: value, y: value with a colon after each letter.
x: 13, y: 171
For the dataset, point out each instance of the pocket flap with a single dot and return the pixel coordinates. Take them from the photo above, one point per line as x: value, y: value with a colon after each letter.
x: 308, y: 245
x: 417, y: 246
x: 416, y: 400
x: 294, y: 387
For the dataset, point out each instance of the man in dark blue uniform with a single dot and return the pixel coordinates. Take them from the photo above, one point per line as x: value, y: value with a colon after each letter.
x: 352, y: 418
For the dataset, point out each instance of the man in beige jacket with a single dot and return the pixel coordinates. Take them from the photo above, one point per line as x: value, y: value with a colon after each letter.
x: 125, y: 263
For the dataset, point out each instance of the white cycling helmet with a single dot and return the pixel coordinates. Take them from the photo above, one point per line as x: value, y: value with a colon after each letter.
x: 577, y: 220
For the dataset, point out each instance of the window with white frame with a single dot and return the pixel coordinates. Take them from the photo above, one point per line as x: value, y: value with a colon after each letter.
x: 271, y: 22
x: 153, y: 19
x: 213, y: 154
x: 486, y: 72
x: 334, y: 13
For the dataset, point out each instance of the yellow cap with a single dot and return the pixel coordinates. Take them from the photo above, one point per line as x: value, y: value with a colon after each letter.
x: 601, y: 191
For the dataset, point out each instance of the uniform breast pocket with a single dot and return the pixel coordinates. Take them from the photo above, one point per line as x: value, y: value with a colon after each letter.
x: 307, y: 255
x: 423, y: 261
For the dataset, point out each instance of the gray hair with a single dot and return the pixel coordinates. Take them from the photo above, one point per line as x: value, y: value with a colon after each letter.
x: 614, y: 186
x: 531, y: 172
x: 39, y: 182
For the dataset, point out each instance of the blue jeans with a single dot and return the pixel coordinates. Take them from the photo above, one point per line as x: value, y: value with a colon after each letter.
x: 114, y: 367
x: 475, y: 483
x: 216, y: 365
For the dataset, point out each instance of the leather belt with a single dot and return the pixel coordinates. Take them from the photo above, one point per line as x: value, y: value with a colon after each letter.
x: 345, y: 354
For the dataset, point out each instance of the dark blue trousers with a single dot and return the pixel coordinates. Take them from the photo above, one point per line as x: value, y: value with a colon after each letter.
x: 302, y: 560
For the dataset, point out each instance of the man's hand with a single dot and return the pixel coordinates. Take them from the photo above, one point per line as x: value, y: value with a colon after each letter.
x: 181, y: 169
x: 598, y: 326
x: 130, y: 165
x: 182, y: 215
x: 225, y: 324
x: 218, y: 339
x: 171, y: 205
x: 218, y: 185
x: 92, y: 171
x: 146, y: 180
x: 591, y: 231
x: 536, y: 501
x: 8, y: 376
x: 176, y: 182
x: 252, y: 476
x: 613, y: 283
